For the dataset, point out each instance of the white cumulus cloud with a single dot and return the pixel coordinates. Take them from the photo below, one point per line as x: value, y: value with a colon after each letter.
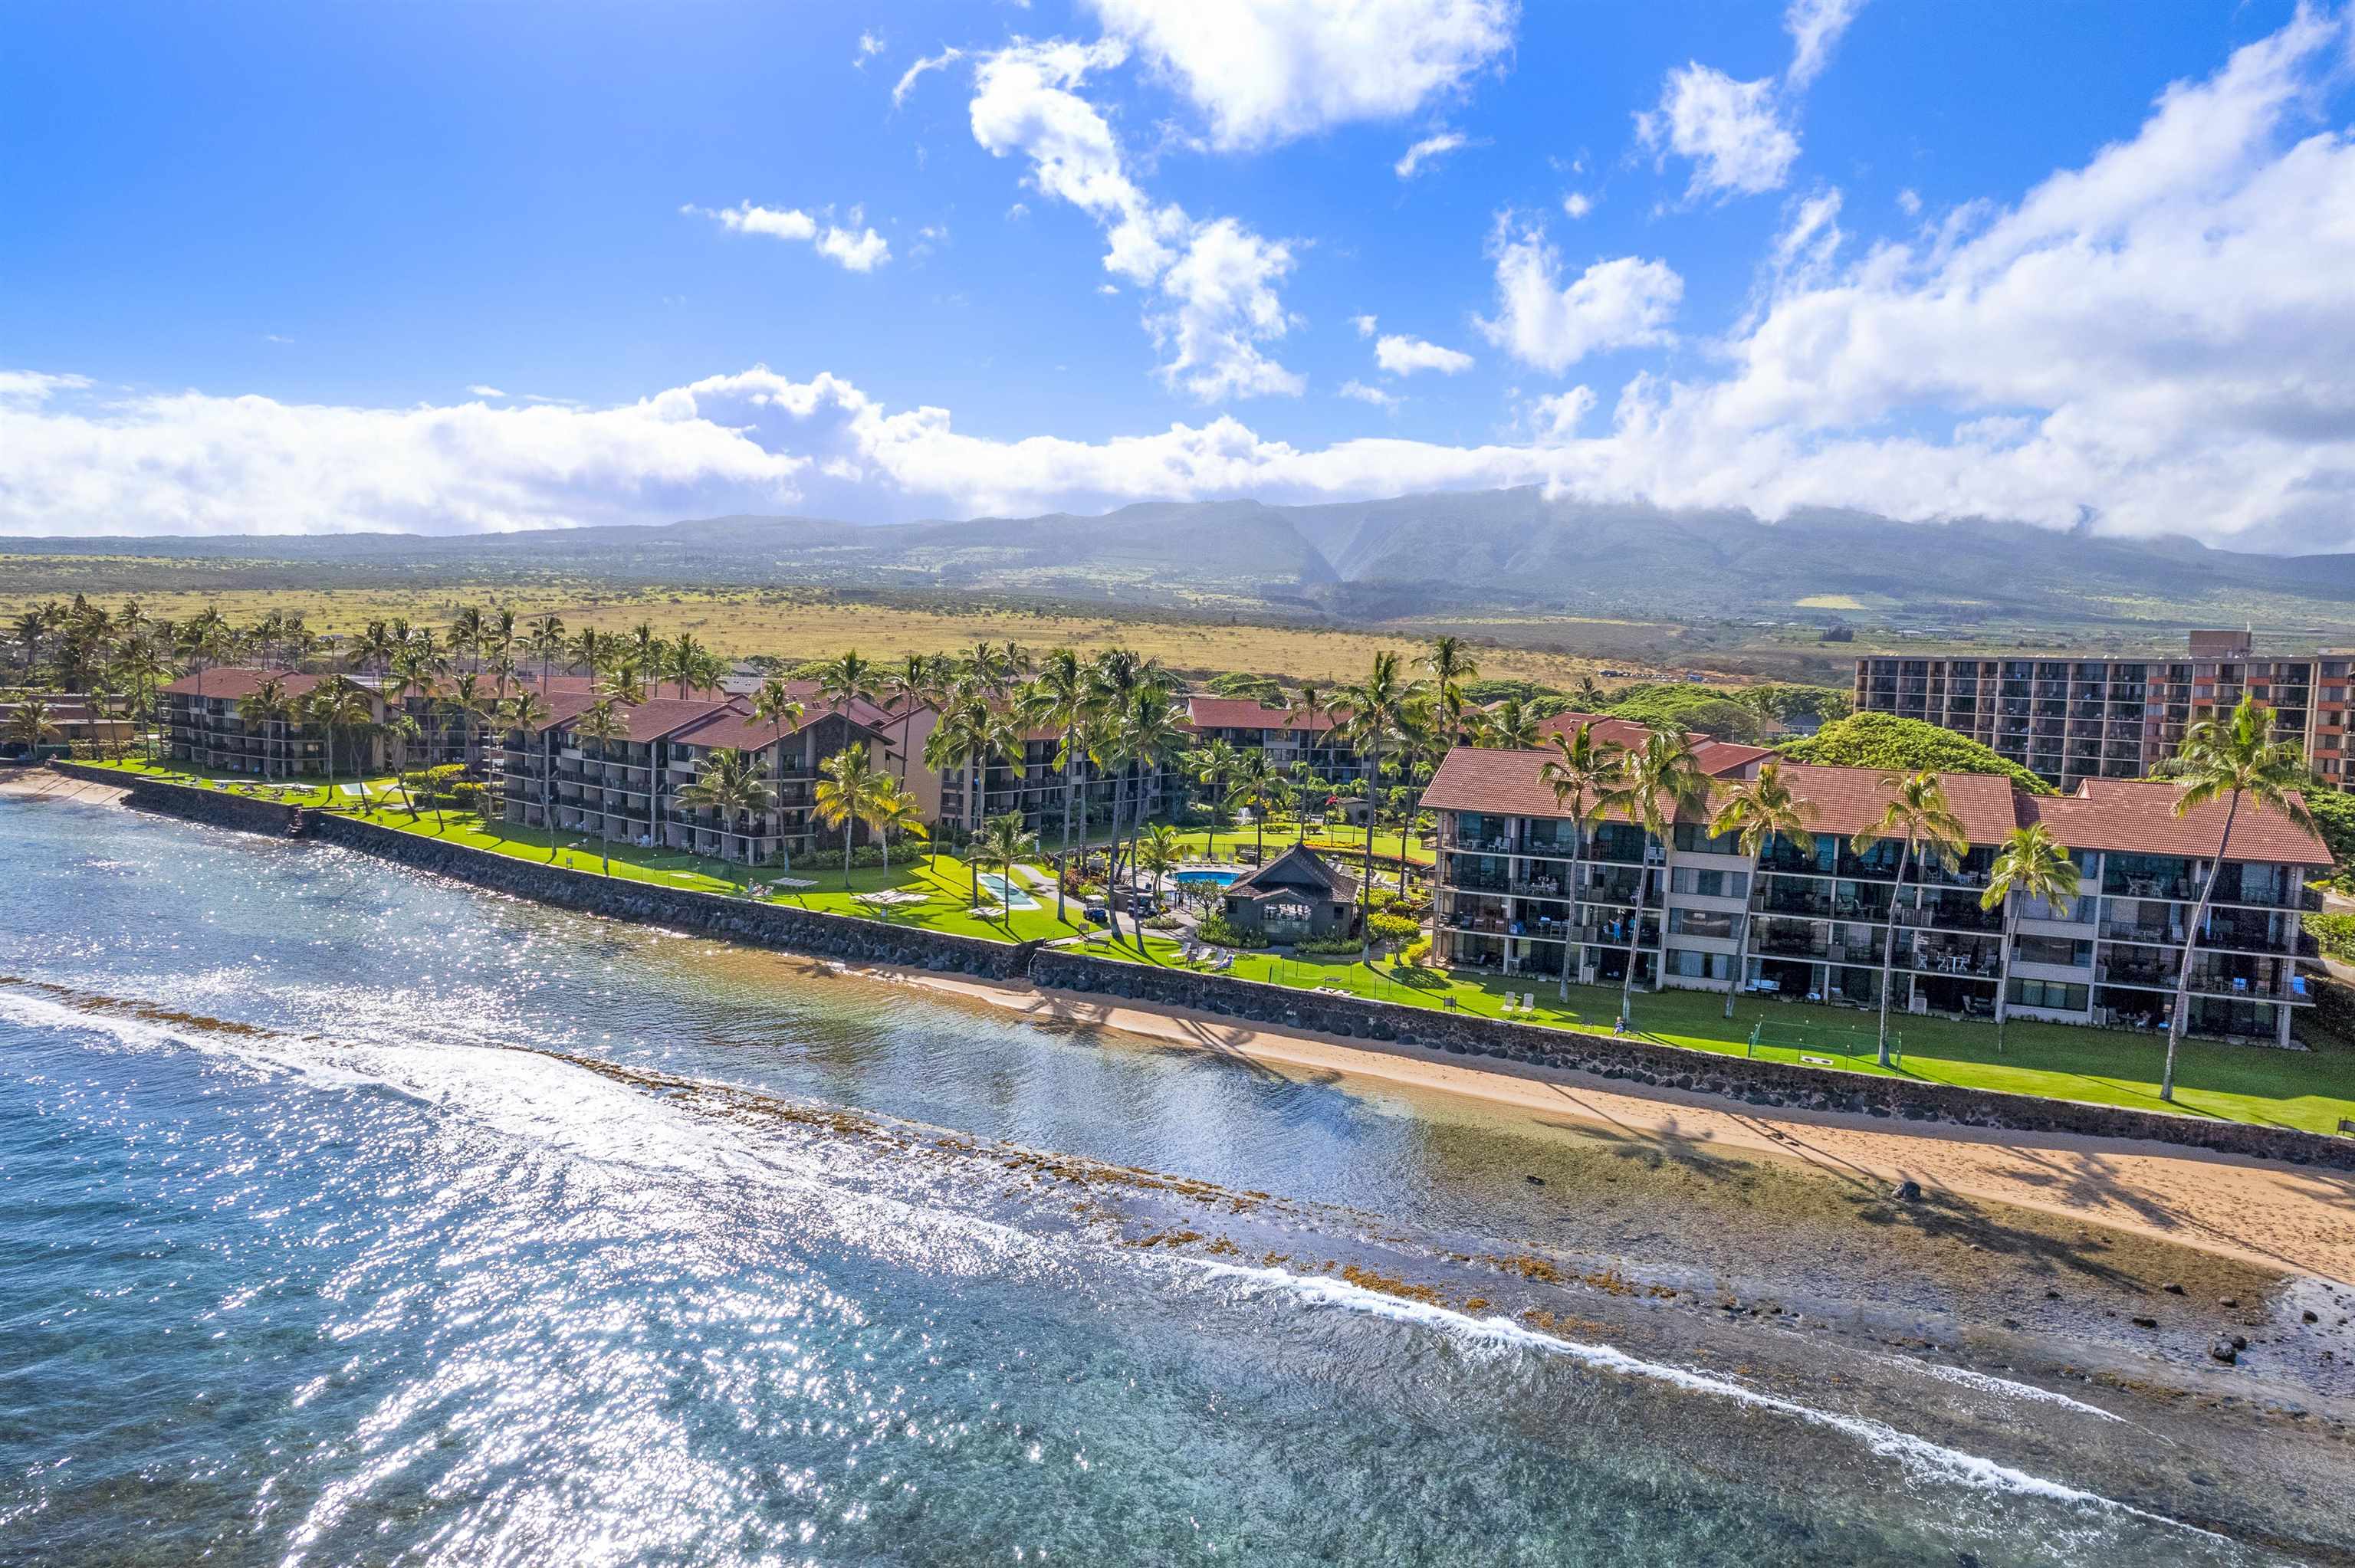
x: 1362, y: 393
x: 1731, y: 131
x: 1815, y: 25
x: 1623, y: 303
x: 1403, y: 355
x: 859, y: 249
x: 1267, y: 71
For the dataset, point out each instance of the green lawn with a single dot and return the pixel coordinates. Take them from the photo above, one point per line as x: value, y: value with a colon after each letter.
x: 943, y: 881
x: 296, y: 791
x: 2307, y: 1089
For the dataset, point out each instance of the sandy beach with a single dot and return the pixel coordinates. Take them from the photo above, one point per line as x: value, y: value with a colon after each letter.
x: 2274, y: 1216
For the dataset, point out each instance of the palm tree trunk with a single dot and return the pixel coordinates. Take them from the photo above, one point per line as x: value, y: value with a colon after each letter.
x: 1741, y: 948
x: 1635, y: 935
x: 1889, y: 952
x: 2003, y: 970
x: 1573, y: 951
x: 2181, y: 1014
x: 1063, y: 863
x: 1365, y: 883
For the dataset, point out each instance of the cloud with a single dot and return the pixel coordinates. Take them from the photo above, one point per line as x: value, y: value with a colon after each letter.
x: 1264, y: 71
x: 1365, y: 326
x: 1541, y: 321
x: 870, y: 44
x: 479, y: 390
x: 2159, y: 339
x: 1403, y: 355
x: 1212, y: 282
x: 1577, y: 203
x: 1730, y: 129
x: 909, y: 77
x: 859, y: 249
x: 1815, y: 25
x: 1909, y: 202
x: 1364, y: 394
x: 1426, y: 151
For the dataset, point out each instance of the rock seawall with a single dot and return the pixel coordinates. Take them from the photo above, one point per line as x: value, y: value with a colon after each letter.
x: 780, y: 926
x: 1783, y: 1086
x: 1768, y: 1084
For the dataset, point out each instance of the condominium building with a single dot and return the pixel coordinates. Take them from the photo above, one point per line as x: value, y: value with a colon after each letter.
x: 2067, y: 719
x: 208, y: 724
x: 631, y: 787
x: 1522, y: 891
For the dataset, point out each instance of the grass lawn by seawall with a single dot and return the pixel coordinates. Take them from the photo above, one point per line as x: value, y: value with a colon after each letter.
x: 2310, y: 1090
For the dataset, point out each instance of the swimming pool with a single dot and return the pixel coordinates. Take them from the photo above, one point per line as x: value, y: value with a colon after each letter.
x: 1014, y: 895
x: 1198, y: 878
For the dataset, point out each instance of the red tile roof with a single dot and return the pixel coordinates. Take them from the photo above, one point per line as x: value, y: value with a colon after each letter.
x: 1244, y: 713
x: 2105, y: 814
x: 2138, y: 817
x: 235, y: 681
x: 735, y: 729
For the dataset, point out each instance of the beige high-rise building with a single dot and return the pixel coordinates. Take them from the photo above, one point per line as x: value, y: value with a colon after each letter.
x: 2068, y: 718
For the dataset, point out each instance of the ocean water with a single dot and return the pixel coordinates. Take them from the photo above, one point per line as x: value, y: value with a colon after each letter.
x: 349, y: 1216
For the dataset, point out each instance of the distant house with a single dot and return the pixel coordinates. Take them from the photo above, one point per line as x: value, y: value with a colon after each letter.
x: 1293, y: 897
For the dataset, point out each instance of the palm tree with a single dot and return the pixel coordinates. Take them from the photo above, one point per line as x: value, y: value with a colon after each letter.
x: 143, y: 664
x: 585, y: 652
x: 960, y: 743
x: 1757, y: 811
x: 2031, y: 865
x: 2227, y: 761
x: 729, y: 785
x: 1160, y: 850
x: 1917, y: 816
x: 471, y: 706
x: 1507, y: 726
x: 1216, y: 763
x: 603, y: 722
x: 1381, y: 710
x: 375, y: 645
x: 894, y: 808
x: 1259, y: 788
x: 401, y: 729
x: 685, y: 662
x: 1150, y: 733
x: 1063, y: 698
x: 544, y: 640
x: 526, y: 715
x: 775, y: 706
x: 262, y: 711
x: 1580, y: 774
x: 336, y: 704
x: 1450, y: 667
x: 1004, y: 842
x: 645, y: 650
x: 466, y: 635
x: 846, y: 676
x: 1657, y: 781
x: 846, y: 791
x: 30, y: 725
x: 908, y: 688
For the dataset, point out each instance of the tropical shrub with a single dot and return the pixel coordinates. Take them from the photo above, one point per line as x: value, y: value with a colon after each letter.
x: 1684, y: 707
x: 1221, y: 932
x: 1334, y: 945
x: 1904, y: 746
x: 2334, y: 934
x: 1415, y: 955
x: 2334, y: 819
x: 1389, y: 927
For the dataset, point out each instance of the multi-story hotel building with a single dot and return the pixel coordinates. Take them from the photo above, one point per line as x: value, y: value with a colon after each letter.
x: 2067, y: 719
x: 207, y: 725
x: 1522, y: 891
x: 630, y: 788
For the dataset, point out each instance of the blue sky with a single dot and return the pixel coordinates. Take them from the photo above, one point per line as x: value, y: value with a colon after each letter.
x: 444, y: 267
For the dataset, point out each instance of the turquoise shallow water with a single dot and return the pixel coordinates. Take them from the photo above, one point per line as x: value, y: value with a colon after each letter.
x: 316, y: 1248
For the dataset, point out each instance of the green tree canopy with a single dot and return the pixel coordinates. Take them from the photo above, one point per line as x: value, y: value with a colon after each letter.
x: 1684, y: 707
x: 1897, y: 745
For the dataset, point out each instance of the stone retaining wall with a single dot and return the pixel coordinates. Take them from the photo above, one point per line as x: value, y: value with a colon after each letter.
x: 845, y: 937
x: 1771, y: 1084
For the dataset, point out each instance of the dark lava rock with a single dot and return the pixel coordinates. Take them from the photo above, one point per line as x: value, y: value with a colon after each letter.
x: 1908, y: 1191
x: 2172, y: 1288
x: 1534, y: 1181
x: 2313, y: 1316
x: 2224, y: 1351
x: 2227, y: 1302
x: 2240, y: 1342
x: 2145, y: 1322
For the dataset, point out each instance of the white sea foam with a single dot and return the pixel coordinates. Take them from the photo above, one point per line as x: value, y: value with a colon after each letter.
x: 1988, y: 1383
x: 1918, y: 1454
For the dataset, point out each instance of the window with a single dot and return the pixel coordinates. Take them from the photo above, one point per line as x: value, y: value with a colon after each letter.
x: 2049, y: 994
x: 2053, y: 950
x: 1694, y: 840
x: 1710, y: 884
x: 1700, y: 965
x: 1704, y: 923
